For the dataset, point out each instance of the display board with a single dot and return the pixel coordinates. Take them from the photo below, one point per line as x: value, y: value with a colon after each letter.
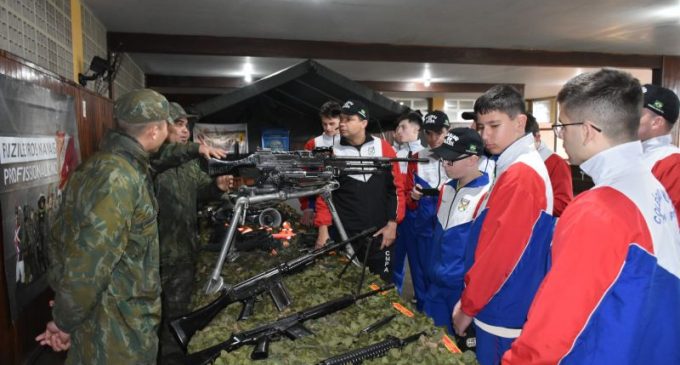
x: 38, y: 150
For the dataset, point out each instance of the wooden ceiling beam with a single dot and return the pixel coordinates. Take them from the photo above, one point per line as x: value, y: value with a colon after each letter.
x: 168, y: 81
x: 263, y: 47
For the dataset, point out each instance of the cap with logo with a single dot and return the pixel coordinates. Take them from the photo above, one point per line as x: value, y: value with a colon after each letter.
x: 355, y: 107
x: 142, y: 106
x: 460, y: 143
x: 468, y: 115
x: 661, y: 101
x: 436, y: 120
x: 177, y: 112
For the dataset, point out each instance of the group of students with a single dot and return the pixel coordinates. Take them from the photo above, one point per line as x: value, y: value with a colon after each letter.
x: 484, y: 244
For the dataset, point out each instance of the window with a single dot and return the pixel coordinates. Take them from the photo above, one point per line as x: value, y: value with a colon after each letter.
x: 454, y: 107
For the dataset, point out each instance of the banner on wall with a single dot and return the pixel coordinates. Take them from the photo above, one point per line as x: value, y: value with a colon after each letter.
x: 226, y: 136
x: 38, y: 150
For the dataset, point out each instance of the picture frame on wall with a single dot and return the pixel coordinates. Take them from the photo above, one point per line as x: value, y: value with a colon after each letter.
x: 226, y: 136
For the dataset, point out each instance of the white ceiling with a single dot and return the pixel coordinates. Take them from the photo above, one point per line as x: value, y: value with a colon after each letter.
x: 615, y: 26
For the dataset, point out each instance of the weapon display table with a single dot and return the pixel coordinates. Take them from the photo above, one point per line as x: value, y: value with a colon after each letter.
x: 333, y: 334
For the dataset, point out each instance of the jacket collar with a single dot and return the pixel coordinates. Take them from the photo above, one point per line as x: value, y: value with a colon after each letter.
x: 656, y: 142
x: 613, y: 162
x: 120, y: 143
x: 509, y: 155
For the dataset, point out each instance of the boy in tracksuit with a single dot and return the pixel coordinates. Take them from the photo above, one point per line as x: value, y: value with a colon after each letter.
x: 613, y: 292
x: 510, y: 239
x: 458, y: 202
x: 415, y: 232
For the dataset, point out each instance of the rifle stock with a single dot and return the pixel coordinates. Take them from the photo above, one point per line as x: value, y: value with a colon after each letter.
x: 291, y: 327
x: 185, y: 326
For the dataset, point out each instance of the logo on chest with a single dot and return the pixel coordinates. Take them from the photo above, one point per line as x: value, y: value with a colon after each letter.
x: 463, y: 204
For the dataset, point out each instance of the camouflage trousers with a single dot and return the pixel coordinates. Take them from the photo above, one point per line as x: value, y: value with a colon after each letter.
x: 177, y: 282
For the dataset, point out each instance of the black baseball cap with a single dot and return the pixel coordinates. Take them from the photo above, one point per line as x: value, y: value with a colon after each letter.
x: 355, y: 107
x: 468, y: 115
x: 661, y: 101
x: 459, y: 143
x: 436, y: 120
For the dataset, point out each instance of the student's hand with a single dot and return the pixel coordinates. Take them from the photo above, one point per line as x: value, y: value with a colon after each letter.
x: 224, y: 182
x: 461, y: 321
x: 389, y: 234
x: 307, y: 217
x: 322, y: 237
x: 207, y: 152
x: 415, y: 193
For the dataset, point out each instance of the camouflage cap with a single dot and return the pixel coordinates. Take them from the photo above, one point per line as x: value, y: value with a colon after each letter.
x: 142, y: 106
x: 177, y: 112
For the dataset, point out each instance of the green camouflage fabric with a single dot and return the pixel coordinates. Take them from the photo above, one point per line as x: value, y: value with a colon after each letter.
x: 178, y: 190
x: 177, y: 112
x: 142, y: 106
x: 171, y: 155
x: 104, y: 258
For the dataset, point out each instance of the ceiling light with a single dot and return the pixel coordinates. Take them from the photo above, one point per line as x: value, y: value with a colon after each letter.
x: 248, y: 72
x: 427, y: 76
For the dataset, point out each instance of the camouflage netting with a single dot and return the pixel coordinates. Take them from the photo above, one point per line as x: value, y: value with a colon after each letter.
x: 333, y: 334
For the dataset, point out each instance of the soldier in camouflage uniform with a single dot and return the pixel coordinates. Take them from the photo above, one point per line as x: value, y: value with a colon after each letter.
x: 178, y: 190
x: 104, y: 256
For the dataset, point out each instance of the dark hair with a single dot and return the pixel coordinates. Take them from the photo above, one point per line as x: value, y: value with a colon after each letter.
x: 330, y: 109
x: 611, y: 99
x: 413, y: 117
x: 532, y: 125
x: 501, y: 98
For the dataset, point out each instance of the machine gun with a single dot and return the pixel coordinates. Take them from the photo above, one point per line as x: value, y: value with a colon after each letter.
x: 376, y: 350
x: 247, y: 291
x: 291, y: 326
x: 302, y: 168
x: 287, y: 175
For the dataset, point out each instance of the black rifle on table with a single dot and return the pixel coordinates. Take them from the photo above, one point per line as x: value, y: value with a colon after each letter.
x: 291, y: 327
x: 370, y: 352
x: 247, y: 291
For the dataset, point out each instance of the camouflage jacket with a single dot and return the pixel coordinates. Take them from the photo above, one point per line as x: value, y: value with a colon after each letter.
x: 178, y: 190
x: 104, y: 258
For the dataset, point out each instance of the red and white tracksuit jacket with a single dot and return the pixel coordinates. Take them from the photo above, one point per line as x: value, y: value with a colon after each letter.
x: 560, y: 179
x: 612, y: 295
x: 509, y: 244
x: 663, y: 159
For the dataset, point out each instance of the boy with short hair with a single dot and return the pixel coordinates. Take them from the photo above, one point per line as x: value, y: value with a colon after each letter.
x: 510, y: 239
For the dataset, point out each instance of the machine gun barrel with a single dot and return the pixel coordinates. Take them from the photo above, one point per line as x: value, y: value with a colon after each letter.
x: 291, y: 326
x: 246, y: 291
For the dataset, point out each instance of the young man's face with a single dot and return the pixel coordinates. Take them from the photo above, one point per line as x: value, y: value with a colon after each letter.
x: 406, y: 131
x: 330, y: 125
x: 179, y: 132
x: 572, y: 138
x: 460, y: 168
x: 352, y: 125
x: 435, y: 139
x: 499, y: 131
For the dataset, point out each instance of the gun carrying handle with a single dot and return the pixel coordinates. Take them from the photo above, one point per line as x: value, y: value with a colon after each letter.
x: 261, y: 349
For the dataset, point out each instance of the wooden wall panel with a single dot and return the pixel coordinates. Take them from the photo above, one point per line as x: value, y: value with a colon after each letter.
x: 16, y: 339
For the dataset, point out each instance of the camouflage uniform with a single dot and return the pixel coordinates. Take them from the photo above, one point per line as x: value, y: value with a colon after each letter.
x: 178, y: 190
x: 104, y: 258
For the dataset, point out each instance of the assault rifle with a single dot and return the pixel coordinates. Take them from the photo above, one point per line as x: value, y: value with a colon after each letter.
x: 291, y: 326
x: 248, y: 290
x: 370, y: 352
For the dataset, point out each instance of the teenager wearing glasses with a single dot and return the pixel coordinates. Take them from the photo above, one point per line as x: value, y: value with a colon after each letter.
x: 613, y: 291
